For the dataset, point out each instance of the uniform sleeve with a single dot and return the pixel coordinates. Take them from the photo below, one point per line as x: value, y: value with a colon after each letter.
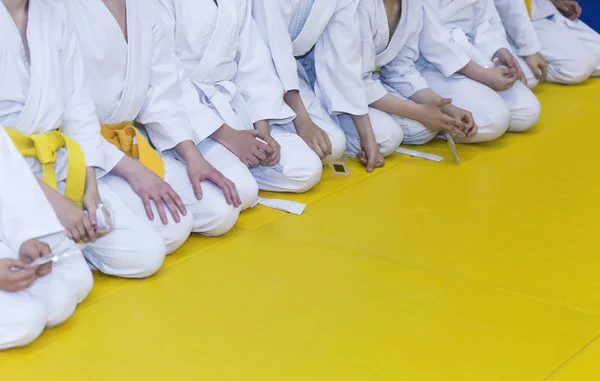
x: 437, y: 45
x: 518, y: 25
x: 25, y: 213
x: 489, y: 35
x: 272, y: 19
x: 338, y: 63
x: 80, y: 120
x: 256, y: 78
x: 401, y: 74
x: 203, y: 120
x: 164, y: 113
x: 373, y: 86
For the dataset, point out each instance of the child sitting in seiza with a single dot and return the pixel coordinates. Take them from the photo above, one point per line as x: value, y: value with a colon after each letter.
x: 46, y: 107
x: 464, y: 52
x: 315, y: 46
x: 390, y: 50
x: 135, y: 76
x: 228, y: 65
x: 32, y: 298
x: 551, y: 42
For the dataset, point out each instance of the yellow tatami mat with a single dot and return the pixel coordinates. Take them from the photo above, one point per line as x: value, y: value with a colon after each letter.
x: 421, y: 271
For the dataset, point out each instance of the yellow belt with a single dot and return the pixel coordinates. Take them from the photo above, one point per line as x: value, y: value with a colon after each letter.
x: 121, y: 135
x: 43, y: 147
x: 528, y: 5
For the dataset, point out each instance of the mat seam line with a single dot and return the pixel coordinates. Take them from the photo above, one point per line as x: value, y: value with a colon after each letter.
x: 571, y: 358
x: 437, y: 272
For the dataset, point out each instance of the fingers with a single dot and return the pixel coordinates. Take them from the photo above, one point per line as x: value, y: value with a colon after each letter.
x: 160, y: 207
x: 544, y: 68
x: 234, y: 191
x: 178, y: 202
x: 371, y: 162
x: 471, y: 125
x: 196, y: 187
x: 507, y: 72
x: 25, y: 273
x: 362, y: 156
x: 44, y: 270
x: 22, y: 279
x: 89, y: 229
x: 80, y: 229
x: 91, y: 214
x: 263, y: 146
x: 172, y: 206
x: 219, y: 181
x: 275, y: 156
x: 43, y: 249
x: 260, y: 155
x: 318, y: 150
x: 148, y: 207
x: 522, y: 78
x: 442, y: 102
x: 328, y: 146
x: 252, y: 161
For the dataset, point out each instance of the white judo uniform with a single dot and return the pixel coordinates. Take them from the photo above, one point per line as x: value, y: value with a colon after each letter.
x: 315, y: 45
x: 227, y: 61
x: 571, y: 48
x: 50, y: 94
x: 397, y: 57
x: 137, y: 79
x: 457, y: 32
x: 26, y: 214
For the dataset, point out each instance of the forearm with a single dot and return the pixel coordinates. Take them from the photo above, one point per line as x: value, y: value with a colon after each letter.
x: 396, y: 106
x: 473, y: 71
x: 125, y: 168
x: 363, y: 127
x: 188, y: 151
x: 51, y: 194
x: 293, y: 99
x: 425, y: 96
x: 263, y: 127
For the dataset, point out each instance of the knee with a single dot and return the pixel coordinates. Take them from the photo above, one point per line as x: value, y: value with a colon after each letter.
x: 305, y: 173
x: 176, y: 233
x: 214, y: 216
x: 60, y: 305
x: 149, y: 259
x: 417, y: 134
x: 27, y: 326
x: 337, y: 138
x: 140, y: 255
x: 245, y: 184
x: 526, y: 116
x: 392, y: 140
x: 574, y: 70
x: 492, y: 124
x: 81, y: 279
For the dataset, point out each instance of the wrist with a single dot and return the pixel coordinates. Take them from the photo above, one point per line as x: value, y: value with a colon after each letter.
x: 221, y: 133
x: 187, y: 150
x: 302, y: 123
x: 415, y: 111
x: 263, y: 126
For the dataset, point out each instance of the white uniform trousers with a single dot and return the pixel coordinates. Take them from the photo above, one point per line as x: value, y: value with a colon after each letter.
x: 388, y: 130
x: 571, y: 48
x: 50, y: 300
x: 137, y: 247
x: 299, y: 168
x: 212, y: 216
x: 491, y: 109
